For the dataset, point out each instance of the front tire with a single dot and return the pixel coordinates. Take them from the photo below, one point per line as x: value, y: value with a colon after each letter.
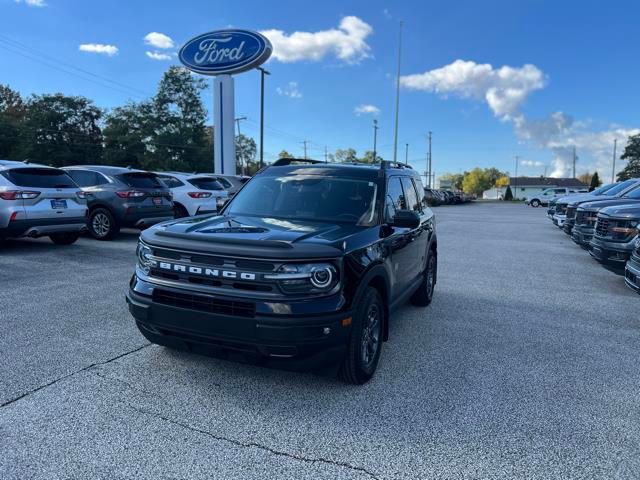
x: 535, y: 203
x: 102, y: 224
x: 64, y: 238
x: 423, y: 296
x: 365, y: 344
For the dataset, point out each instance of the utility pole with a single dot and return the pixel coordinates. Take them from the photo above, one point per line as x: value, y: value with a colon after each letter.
x: 375, y: 140
x: 429, y: 159
x: 406, y: 154
x: 395, y: 135
x: 613, y: 171
x: 240, y: 133
x: 326, y: 155
x: 263, y: 72
x: 545, y: 170
x: 574, y: 161
x: 304, y: 142
x: 515, y: 179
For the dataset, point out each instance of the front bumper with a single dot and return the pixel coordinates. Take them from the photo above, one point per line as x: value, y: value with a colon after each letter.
x: 558, y: 220
x: 614, y: 253
x: 185, y: 320
x: 42, y: 227
x: 632, y: 273
x: 568, y: 226
x: 582, y: 235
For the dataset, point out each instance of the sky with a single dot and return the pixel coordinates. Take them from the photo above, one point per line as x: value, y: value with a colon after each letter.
x: 498, y: 83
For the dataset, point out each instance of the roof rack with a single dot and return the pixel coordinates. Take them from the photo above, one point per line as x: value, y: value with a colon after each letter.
x: 289, y: 161
x: 391, y: 164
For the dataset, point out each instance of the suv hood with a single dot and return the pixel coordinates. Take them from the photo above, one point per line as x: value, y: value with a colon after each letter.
x: 596, y: 206
x: 628, y: 211
x: 252, y: 236
x: 576, y: 199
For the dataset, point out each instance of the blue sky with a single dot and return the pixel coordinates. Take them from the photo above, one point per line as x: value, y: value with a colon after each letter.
x: 491, y: 79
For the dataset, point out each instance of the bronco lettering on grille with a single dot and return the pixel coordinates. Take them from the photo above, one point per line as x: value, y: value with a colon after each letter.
x: 206, y: 272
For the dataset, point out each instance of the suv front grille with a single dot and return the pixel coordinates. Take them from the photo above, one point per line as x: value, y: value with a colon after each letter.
x: 204, y: 303
x: 602, y: 227
x: 561, y: 209
x: 571, y: 213
x: 580, y: 216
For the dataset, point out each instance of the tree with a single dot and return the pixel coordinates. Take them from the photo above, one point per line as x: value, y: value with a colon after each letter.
x: 455, y: 178
x: 246, y: 155
x: 59, y: 130
x: 632, y: 155
x: 166, y: 133
x: 502, y: 181
x: 12, y: 110
x: 493, y: 175
x: 585, y: 178
x: 368, y: 157
x: 346, y: 155
x: 285, y: 154
x: 127, y: 131
x: 477, y: 181
x: 595, y: 182
x: 508, y: 195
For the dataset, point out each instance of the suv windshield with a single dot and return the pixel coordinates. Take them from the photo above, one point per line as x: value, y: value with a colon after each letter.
x: 635, y: 193
x: 39, y: 178
x: 308, y: 197
x: 602, y: 189
x: 141, y: 180
x: 619, y: 188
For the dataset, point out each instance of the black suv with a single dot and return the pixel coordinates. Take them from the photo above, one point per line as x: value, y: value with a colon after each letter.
x: 302, y: 267
x: 121, y: 197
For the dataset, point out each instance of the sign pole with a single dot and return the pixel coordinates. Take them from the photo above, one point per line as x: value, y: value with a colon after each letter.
x: 224, y: 122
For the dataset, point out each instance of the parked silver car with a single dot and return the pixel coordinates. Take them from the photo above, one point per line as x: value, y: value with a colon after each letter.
x: 40, y: 201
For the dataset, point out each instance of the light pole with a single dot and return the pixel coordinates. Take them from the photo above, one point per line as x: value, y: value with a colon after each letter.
x: 240, y: 133
x: 263, y: 72
x: 406, y: 154
x: 613, y: 171
x: 429, y: 159
x: 375, y: 140
x: 395, y: 135
x: 515, y: 179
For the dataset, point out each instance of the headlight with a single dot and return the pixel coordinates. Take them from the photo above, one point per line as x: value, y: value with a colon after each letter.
x: 306, y: 278
x: 145, y: 262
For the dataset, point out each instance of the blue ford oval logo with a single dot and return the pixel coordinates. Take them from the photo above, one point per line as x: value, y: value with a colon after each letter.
x: 225, y: 51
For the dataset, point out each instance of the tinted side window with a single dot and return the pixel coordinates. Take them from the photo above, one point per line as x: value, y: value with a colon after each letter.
x: 206, y: 183
x: 410, y: 194
x: 422, y: 194
x: 395, y: 198
x: 84, y: 178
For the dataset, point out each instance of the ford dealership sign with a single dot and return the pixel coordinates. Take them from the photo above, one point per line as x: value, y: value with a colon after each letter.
x: 225, y: 52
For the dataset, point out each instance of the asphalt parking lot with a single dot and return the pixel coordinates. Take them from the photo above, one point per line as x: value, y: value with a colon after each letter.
x: 526, y: 365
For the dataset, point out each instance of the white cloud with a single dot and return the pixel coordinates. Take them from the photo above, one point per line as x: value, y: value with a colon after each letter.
x: 33, y: 3
x: 291, y: 90
x: 158, y: 56
x: 504, y: 89
x: 560, y: 134
x: 159, y: 40
x: 109, y: 50
x: 366, y: 109
x: 347, y: 42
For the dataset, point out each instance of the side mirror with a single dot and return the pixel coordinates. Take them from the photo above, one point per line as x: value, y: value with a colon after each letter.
x: 406, y: 219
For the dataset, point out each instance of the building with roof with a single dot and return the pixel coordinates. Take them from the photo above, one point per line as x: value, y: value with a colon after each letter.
x: 523, y: 187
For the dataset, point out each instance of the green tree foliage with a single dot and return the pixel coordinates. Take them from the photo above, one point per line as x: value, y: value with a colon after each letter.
x: 508, y: 195
x: 455, y: 178
x: 368, y: 157
x: 166, y: 133
x: 502, y: 181
x: 59, y: 130
x: 246, y: 155
x: 285, y: 154
x: 477, y: 181
x: 632, y: 156
x: 12, y: 110
x: 595, y: 182
x: 345, y: 155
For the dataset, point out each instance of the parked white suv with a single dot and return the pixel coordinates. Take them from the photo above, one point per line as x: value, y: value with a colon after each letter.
x: 194, y: 194
x: 39, y: 201
x: 545, y: 196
